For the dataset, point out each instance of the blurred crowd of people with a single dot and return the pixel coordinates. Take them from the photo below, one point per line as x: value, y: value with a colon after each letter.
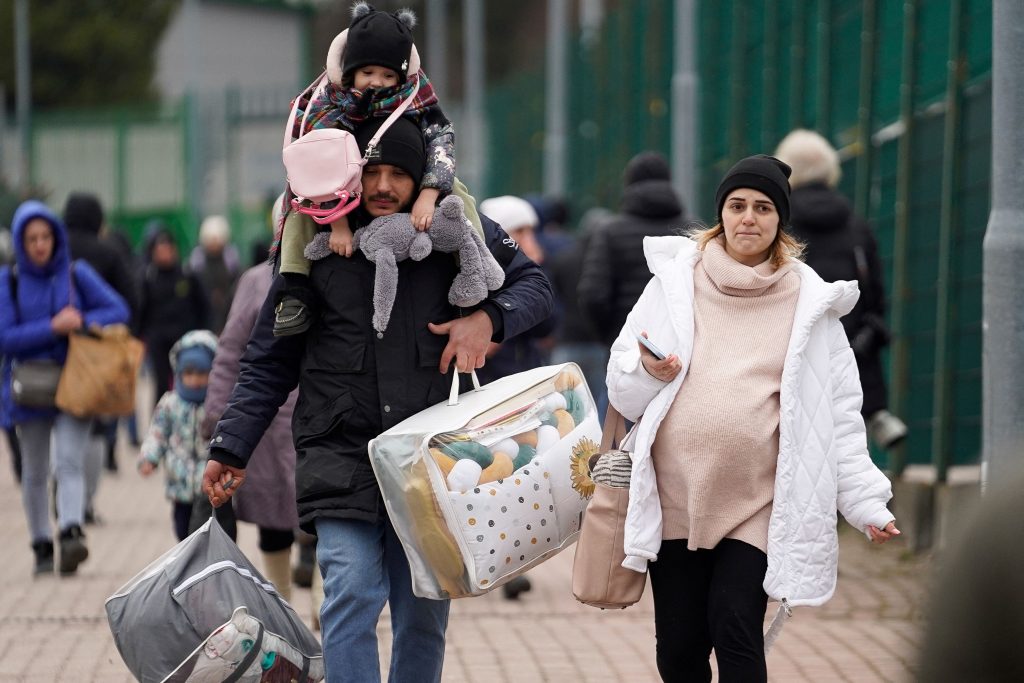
x: 170, y: 303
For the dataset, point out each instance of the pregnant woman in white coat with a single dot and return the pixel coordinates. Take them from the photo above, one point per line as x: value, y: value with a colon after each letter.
x: 751, y: 436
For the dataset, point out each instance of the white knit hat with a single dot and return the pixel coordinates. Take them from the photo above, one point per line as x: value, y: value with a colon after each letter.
x: 511, y: 213
x: 214, y: 229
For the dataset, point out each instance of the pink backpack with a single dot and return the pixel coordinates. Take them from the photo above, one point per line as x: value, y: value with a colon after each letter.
x: 324, y: 164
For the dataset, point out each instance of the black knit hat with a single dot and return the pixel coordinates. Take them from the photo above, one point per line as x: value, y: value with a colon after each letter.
x: 646, y: 166
x: 379, y: 39
x: 401, y: 146
x: 83, y: 213
x: 762, y: 173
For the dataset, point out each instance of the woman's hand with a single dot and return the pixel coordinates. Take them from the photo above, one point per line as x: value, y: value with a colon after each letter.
x: 66, y: 321
x: 664, y: 370
x: 882, y: 535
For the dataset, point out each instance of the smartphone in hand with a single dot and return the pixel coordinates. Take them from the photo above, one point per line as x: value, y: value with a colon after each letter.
x: 649, y: 345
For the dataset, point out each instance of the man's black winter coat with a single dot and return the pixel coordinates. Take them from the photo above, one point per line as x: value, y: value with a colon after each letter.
x: 355, y: 383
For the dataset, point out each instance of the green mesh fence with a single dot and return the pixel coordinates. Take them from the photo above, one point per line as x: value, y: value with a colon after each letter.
x: 873, y: 77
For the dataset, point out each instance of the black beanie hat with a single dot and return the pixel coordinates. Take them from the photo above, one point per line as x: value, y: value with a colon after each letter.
x: 762, y: 173
x: 646, y: 166
x: 379, y: 39
x: 401, y: 146
x: 83, y: 213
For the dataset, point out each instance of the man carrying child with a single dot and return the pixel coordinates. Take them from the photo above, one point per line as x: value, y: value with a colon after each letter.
x: 355, y: 383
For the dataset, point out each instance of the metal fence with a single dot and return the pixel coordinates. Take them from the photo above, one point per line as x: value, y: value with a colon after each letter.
x: 219, y: 152
x: 903, y: 89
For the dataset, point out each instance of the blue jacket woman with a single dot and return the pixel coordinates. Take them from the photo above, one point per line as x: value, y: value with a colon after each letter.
x: 43, y: 300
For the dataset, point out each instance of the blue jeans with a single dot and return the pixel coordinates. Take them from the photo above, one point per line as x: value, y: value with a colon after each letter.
x: 364, y: 566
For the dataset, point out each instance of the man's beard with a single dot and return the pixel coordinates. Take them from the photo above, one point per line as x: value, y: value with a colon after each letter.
x: 363, y: 217
x: 390, y: 197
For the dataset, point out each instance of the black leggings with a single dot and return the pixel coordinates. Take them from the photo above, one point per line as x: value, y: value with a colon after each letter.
x: 706, y: 599
x: 190, y: 516
x: 274, y: 540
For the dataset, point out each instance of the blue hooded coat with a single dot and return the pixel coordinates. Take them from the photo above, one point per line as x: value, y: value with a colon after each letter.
x: 42, y: 291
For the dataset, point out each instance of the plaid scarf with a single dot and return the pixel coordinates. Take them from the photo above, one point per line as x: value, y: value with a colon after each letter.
x: 346, y: 108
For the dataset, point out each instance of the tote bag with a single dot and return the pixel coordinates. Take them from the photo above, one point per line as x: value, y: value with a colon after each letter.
x: 493, y: 482
x: 100, y: 372
x: 202, y: 612
x: 598, y: 577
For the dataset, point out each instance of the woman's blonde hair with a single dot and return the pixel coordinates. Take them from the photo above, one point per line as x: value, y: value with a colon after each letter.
x: 784, y: 247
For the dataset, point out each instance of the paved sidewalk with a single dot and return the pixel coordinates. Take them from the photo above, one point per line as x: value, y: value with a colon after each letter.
x: 55, y: 630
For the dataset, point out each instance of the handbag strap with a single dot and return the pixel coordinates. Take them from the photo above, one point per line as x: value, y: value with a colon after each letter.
x: 614, y: 430
x: 399, y: 110
x: 318, y: 86
x: 12, y: 287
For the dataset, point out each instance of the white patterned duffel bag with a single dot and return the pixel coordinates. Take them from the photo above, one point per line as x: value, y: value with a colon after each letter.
x: 491, y: 483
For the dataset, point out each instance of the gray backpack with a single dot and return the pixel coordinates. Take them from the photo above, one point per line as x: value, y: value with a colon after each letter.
x: 201, y: 612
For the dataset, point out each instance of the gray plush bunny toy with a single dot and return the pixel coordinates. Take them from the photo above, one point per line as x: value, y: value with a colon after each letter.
x: 392, y: 238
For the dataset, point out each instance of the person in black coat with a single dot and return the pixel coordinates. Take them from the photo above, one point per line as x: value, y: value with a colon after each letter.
x: 83, y: 217
x: 841, y: 246
x: 354, y: 384
x: 614, y: 268
x: 576, y: 339
x: 172, y: 303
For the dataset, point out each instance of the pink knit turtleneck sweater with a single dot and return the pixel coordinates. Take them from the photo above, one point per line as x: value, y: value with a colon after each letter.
x: 716, y: 450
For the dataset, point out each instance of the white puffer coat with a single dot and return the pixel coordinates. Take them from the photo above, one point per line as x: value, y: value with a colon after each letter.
x: 823, y: 462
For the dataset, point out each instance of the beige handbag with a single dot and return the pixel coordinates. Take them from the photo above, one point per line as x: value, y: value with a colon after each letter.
x: 598, y: 577
x: 100, y: 372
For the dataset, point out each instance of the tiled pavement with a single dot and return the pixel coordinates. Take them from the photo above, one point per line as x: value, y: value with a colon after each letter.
x: 54, y: 629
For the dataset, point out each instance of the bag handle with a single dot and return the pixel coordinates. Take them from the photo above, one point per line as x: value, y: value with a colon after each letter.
x: 318, y: 87
x: 321, y: 86
x: 247, y: 661
x: 614, y: 430
x: 614, y: 434
x: 372, y: 144
x: 453, y: 397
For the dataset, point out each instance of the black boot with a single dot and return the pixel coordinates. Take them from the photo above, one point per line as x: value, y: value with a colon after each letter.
x: 302, y: 572
x: 293, y: 313
x: 513, y: 588
x: 72, y: 549
x: 110, y: 462
x: 44, y: 557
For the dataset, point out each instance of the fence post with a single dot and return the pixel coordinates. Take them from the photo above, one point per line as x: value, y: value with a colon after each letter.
x: 865, y: 108
x: 23, y: 89
x: 474, y: 86
x: 684, y: 104
x: 945, y: 313
x: 556, y: 115
x: 823, y: 59
x: 1003, y: 253
x: 899, y: 379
